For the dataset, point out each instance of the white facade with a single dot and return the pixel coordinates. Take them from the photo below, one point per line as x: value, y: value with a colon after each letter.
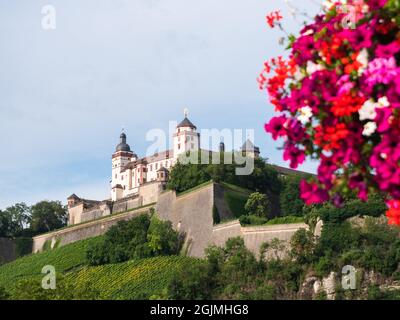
x: 129, y: 172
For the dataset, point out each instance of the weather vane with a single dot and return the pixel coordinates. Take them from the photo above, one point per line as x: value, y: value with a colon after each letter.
x: 186, y: 112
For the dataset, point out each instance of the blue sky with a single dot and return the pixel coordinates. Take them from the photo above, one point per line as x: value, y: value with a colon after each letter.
x: 66, y: 93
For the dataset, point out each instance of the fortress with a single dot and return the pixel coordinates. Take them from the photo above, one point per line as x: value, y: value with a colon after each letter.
x: 138, y: 181
x: 138, y: 186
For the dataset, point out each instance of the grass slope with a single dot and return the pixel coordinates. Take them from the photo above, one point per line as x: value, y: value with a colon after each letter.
x: 236, y: 198
x: 63, y: 259
x: 137, y: 279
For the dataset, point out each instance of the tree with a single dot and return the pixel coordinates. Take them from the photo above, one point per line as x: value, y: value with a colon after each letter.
x: 6, y: 224
x: 162, y: 239
x: 14, y: 220
x: 290, y: 202
x: 264, y: 177
x: 47, y: 216
x: 257, y: 204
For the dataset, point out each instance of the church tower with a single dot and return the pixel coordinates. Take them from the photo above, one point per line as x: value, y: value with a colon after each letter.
x: 186, y: 137
x: 121, y: 157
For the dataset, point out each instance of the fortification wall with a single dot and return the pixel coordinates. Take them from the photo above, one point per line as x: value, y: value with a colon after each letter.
x: 255, y: 236
x: 84, y: 231
x: 7, y: 250
x: 190, y: 213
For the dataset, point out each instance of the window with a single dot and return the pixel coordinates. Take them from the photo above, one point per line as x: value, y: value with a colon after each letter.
x: 122, y: 177
x: 116, y: 176
x: 156, y: 166
x: 179, y: 146
x: 192, y: 145
x: 151, y: 167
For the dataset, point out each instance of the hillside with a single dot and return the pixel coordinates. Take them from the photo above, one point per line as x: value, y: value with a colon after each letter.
x: 128, y: 280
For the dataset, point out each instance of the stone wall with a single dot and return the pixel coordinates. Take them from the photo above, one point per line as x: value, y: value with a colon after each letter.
x: 7, y: 250
x: 84, y: 231
x: 190, y: 213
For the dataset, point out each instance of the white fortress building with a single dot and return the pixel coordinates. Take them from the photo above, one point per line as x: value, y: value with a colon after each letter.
x: 138, y: 181
x: 129, y: 172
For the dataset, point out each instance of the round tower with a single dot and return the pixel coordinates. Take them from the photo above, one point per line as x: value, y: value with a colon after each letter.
x: 120, y: 158
x: 186, y: 137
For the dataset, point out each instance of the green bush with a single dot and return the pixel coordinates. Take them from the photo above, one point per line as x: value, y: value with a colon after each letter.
x: 302, y: 246
x: 374, y: 207
x: 289, y: 198
x: 138, y: 238
x: 252, y: 220
x: 162, y: 239
x: 285, y: 220
x: 258, y: 205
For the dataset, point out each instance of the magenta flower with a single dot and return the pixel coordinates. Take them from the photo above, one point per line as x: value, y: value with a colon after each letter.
x: 387, y: 51
x: 360, y: 37
x: 276, y: 127
x: 381, y: 70
x: 383, y: 116
x: 326, y: 170
x: 311, y: 193
x: 294, y: 155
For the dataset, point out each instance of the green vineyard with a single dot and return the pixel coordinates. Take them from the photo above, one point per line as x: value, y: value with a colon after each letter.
x: 63, y: 259
x: 130, y: 280
x: 137, y: 279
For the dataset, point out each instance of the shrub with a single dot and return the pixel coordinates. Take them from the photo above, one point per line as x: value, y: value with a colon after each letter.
x: 162, y: 239
x: 290, y: 202
x: 138, y: 238
x: 258, y: 205
x: 252, y: 220
x: 302, y: 246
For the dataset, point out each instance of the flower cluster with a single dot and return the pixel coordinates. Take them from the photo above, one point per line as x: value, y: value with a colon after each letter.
x: 338, y: 95
x: 273, y: 18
